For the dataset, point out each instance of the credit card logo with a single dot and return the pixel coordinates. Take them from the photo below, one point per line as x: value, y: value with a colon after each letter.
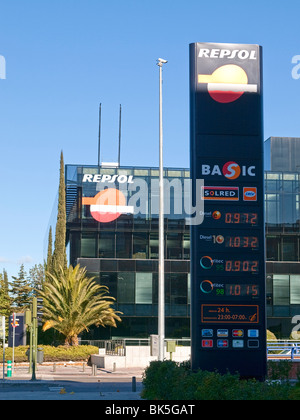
x: 207, y: 343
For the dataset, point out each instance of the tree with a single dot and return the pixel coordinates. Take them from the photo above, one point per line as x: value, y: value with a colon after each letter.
x: 59, y: 254
x: 72, y: 302
x: 36, y: 277
x: 5, y: 301
x: 49, y: 262
x: 20, y: 291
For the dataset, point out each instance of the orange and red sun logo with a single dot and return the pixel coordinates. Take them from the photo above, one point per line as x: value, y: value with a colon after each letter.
x: 107, y: 205
x: 227, y: 83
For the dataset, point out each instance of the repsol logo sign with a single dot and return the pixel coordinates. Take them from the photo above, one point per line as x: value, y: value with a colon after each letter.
x: 231, y: 170
x: 121, y: 179
x: 225, y: 53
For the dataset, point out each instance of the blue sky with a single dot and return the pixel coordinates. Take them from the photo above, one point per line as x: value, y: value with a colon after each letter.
x: 64, y: 57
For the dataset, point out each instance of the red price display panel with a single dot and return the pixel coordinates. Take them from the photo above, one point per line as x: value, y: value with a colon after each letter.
x: 225, y: 265
x: 224, y: 216
x: 229, y: 314
x: 241, y: 218
x: 228, y: 240
x: 212, y: 289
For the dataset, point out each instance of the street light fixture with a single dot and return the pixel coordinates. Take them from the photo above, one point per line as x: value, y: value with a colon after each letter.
x: 161, y: 268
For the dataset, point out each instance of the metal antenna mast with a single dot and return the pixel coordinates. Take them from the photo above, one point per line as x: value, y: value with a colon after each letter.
x: 99, y: 135
x: 119, y: 153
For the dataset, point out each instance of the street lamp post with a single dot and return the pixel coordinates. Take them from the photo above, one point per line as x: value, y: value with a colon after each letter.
x: 161, y: 271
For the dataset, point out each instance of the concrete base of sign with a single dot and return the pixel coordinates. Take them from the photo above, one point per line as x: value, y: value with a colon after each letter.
x: 137, y: 356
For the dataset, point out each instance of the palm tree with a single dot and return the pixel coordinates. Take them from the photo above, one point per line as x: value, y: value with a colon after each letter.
x: 72, y: 302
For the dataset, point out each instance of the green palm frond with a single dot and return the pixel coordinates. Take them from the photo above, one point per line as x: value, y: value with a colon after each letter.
x: 73, y: 302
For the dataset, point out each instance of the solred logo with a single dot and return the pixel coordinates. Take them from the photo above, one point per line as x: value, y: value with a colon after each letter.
x: 227, y: 83
x: 220, y: 193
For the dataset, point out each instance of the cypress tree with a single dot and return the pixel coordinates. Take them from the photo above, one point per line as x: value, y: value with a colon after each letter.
x: 59, y: 254
x: 48, y: 265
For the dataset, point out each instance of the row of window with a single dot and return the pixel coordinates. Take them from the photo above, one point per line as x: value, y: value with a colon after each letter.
x: 283, y: 248
x: 283, y: 289
x: 136, y: 245
x: 144, y: 245
x: 142, y: 288
x: 139, y: 288
x: 282, y: 210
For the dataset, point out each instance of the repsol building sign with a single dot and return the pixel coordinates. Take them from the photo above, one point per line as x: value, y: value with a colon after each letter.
x: 228, y: 316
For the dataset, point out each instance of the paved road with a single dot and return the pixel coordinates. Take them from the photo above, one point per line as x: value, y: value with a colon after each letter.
x: 71, y: 382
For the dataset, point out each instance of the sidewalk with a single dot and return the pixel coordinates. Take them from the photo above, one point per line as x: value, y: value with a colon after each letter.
x: 76, y: 381
x: 72, y: 371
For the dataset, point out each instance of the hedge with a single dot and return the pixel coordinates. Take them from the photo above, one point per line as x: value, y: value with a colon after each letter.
x: 169, y: 380
x: 53, y: 354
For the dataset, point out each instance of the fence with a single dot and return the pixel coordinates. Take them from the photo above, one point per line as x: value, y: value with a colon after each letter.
x: 283, y: 349
x: 276, y: 349
x: 117, y: 346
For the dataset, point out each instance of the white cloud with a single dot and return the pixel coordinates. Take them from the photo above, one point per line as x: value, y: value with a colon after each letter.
x: 25, y: 260
x: 4, y: 260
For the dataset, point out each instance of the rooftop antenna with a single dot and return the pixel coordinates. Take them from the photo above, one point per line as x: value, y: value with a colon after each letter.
x: 99, y: 134
x: 119, y: 154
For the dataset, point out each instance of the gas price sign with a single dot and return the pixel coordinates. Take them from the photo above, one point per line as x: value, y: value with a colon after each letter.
x: 228, y: 320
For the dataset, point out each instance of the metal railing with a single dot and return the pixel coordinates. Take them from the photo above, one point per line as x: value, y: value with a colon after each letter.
x: 276, y: 349
x: 283, y: 349
x: 117, y: 346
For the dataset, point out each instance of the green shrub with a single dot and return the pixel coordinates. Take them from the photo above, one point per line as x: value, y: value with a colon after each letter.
x: 53, y: 354
x: 169, y: 380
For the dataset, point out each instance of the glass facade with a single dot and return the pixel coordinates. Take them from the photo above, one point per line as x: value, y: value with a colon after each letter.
x: 123, y: 253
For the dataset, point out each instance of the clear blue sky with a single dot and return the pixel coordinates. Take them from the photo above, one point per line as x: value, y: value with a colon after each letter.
x: 64, y: 57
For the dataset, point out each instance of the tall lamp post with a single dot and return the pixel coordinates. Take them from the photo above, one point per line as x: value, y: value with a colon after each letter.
x: 161, y: 275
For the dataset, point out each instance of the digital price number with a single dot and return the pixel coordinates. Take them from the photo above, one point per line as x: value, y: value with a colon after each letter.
x: 251, y: 290
x: 229, y: 265
x: 239, y: 241
x: 241, y: 266
x: 241, y: 218
x: 216, y: 289
x: 236, y: 217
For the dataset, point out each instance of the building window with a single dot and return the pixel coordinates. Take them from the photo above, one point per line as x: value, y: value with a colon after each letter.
x: 272, y: 205
x: 124, y: 244
x: 88, y: 245
x: 186, y: 246
x: 125, y: 287
x: 273, y: 248
x: 140, y: 245
x: 109, y: 280
x: 143, y: 288
x: 174, y: 246
x: 289, y: 248
x: 107, y: 246
x: 178, y: 289
x: 281, y: 290
x: 154, y: 243
x: 295, y: 289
